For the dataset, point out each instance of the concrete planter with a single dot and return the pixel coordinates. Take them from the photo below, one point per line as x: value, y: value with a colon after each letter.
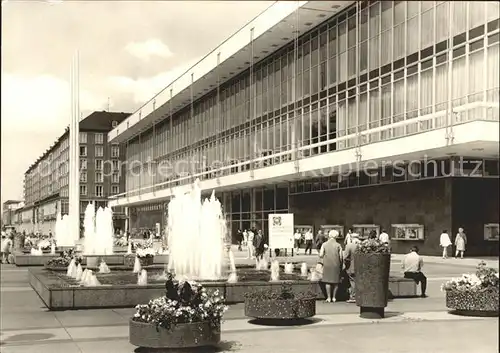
x: 285, y: 309
x: 372, y: 283
x: 146, y: 261
x: 196, y: 334
x: 473, y: 303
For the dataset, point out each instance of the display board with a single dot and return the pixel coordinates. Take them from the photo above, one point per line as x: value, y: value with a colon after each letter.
x: 407, y: 232
x: 328, y: 227
x: 363, y: 230
x: 281, y: 231
x: 491, y: 232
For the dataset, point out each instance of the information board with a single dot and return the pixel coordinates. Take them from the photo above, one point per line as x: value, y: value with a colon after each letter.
x: 281, y: 231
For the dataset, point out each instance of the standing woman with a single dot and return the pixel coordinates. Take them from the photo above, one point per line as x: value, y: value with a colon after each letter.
x: 331, y: 254
x: 460, y: 243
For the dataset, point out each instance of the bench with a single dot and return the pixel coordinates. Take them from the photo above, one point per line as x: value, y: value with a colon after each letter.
x: 399, y: 287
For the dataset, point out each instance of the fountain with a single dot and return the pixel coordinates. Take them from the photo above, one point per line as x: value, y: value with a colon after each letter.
x: 98, y: 231
x: 303, y: 270
x: 142, y: 278
x: 62, y: 231
x: 288, y: 268
x: 129, y: 248
x: 275, y: 271
x: 85, y: 275
x: 103, y: 268
x: 72, y: 268
x: 52, y: 248
x: 261, y: 265
x: 137, y: 265
x: 90, y: 280
x: 79, y: 272
x: 196, y: 236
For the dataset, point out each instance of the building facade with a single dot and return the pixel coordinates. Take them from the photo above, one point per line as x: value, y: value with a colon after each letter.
x: 9, y: 212
x: 374, y: 114
x: 46, y: 188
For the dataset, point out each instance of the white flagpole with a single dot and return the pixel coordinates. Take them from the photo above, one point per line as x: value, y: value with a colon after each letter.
x: 74, y: 144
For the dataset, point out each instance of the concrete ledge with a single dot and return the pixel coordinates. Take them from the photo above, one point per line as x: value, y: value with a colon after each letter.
x: 57, y: 294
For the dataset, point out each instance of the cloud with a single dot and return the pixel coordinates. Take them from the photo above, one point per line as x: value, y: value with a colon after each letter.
x: 149, y: 48
x: 143, y: 89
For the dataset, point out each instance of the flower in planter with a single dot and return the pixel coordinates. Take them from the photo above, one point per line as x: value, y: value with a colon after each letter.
x: 184, y: 302
x: 144, y: 253
x: 485, y: 279
x: 373, y: 246
x: 64, y: 259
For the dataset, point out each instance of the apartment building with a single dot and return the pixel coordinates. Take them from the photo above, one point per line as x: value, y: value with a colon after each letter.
x: 46, y: 188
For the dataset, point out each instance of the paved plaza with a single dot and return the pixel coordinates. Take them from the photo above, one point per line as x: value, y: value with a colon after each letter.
x: 412, y: 325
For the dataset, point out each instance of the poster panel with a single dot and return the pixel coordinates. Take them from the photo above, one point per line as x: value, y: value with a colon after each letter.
x: 281, y: 231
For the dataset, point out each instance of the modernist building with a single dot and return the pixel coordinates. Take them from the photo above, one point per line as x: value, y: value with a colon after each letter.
x: 46, y: 180
x: 373, y: 114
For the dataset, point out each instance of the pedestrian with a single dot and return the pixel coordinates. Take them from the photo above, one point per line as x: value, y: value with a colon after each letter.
x: 6, y: 248
x: 445, y: 242
x: 309, y: 241
x: 239, y: 239
x: 460, y: 243
x: 320, y: 239
x: 384, y: 237
x: 332, y: 259
x: 296, y: 240
x: 349, y: 251
x: 412, y: 268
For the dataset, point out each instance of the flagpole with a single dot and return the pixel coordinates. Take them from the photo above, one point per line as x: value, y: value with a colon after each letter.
x: 74, y: 144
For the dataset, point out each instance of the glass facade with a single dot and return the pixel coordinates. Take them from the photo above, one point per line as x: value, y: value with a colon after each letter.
x: 372, y: 65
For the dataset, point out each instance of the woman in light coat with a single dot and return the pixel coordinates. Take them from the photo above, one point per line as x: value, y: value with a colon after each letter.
x: 460, y: 243
x: 332, y: 257
x: 444, y: 242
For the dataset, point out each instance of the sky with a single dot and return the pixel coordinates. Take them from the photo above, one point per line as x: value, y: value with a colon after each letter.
x: 129, y: 51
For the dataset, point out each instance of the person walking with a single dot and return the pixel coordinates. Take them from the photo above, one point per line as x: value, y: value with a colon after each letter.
x: 444, y: 242
x: 320, y: 239
x: 296, y: 240
x: 309, y: 241
x: 332, y: 257
x: 348, y: 236
x: 250, y: 247
x: 349, y: 251
x: 460, y: 243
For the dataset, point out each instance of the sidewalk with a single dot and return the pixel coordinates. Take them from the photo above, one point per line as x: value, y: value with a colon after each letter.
x: 466, y: 262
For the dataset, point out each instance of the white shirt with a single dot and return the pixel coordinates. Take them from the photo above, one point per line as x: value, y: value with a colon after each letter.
x: 308, y: 235
x: 444, y: 240
x: 297, y: 236
x: 384, y: 237
x: 412, y: 262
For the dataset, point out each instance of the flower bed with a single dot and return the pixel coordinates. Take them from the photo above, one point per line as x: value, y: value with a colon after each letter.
x: 474, y: 294
x: 187, y: 316
x: 282, y: 305
x: 63, y: 260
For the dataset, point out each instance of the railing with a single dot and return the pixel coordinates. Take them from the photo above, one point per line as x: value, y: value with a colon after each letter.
x: 433, y: 121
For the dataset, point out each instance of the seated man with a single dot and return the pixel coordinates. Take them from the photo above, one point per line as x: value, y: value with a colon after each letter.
x: 412, y: 268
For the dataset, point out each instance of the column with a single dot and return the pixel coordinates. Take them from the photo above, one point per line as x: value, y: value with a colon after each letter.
x: 127, y: 221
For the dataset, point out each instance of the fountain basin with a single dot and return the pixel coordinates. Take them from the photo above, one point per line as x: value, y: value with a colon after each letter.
x: 59, y: 292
